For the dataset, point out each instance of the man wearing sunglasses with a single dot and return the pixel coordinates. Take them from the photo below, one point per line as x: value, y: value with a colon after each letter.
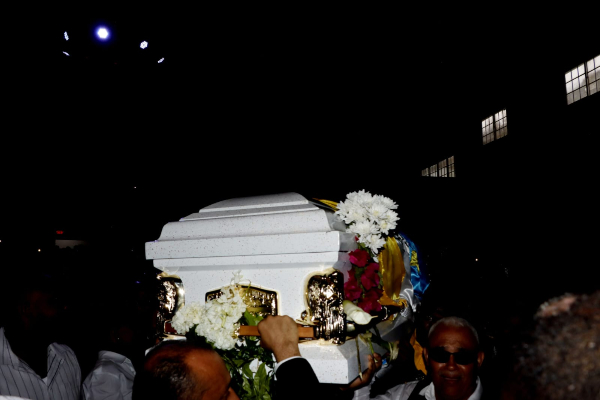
x: 453, y: 357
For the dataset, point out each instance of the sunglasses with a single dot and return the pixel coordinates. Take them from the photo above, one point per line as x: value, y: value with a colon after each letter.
x: 463, y: 357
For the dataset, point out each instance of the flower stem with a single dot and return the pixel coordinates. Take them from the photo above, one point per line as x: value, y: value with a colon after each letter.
x: 358, y: 357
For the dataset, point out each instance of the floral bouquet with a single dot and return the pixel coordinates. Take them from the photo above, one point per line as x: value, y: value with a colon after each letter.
x: 216, y: 323
x: 370, y: 218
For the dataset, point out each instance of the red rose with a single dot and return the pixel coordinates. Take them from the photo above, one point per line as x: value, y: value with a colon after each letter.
x: 359, y: 257
x: 352, y: 290
x: 370, y: 277
x: 370, y: 301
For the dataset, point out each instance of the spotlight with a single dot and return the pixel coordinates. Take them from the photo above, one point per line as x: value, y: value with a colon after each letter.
x: 102, y: 33
x: 143, y: 45
x: 66, y: 54
x: 66, y: 36
x: 161, y: 60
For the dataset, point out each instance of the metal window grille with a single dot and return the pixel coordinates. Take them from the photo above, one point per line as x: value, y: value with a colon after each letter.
x: 451, y: 173
x: 494, y: 127
x: 593, y: 75
x: 442, y: 170
x: 575, y: 84
x: 500, y: 124
x: 487, y: 130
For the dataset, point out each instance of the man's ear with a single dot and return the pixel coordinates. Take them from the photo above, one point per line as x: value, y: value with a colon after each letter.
x: 480, y: 357
x: 426, y: 356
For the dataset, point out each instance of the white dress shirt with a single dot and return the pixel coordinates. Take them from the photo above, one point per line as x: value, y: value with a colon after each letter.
x: 19, y: 380
x: 403, y: 392
x: 111, y: 378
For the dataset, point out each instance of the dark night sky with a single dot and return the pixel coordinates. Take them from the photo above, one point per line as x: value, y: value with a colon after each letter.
x: 248, y: 101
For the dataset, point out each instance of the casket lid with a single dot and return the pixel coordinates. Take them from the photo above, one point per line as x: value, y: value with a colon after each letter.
x: 257, y: 205
x: 284, y: 223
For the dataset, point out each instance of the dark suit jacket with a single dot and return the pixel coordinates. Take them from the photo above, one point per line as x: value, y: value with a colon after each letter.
x: 296, y: 380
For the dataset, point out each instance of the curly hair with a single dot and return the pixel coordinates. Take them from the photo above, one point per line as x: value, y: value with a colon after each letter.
x: 561, y: 358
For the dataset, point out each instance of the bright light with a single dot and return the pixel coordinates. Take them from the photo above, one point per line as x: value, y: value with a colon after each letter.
x: 39, y: 250
x: 476, y: 259
x: 161, y: 60
x: 66, y: 36
x: 102, y: 33
x: 65, y: 53
x: 143, y: 45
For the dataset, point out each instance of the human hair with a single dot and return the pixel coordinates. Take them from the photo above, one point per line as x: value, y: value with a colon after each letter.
x: 166, y: 375
x: 560, y: 358
x: 455, y: 322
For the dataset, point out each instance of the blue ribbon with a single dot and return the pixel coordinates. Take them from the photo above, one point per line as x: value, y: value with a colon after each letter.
x: 418, y: 275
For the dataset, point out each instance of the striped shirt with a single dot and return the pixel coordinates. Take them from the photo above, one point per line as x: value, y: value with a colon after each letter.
x: 19, y: 380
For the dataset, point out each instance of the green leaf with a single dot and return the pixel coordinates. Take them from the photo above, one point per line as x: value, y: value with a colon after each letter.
x: 252, y: 318
x: 260, y: 376
x: 247, y: 371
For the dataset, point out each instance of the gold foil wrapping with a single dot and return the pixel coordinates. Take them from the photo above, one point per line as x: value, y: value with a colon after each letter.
x: 391, y: 266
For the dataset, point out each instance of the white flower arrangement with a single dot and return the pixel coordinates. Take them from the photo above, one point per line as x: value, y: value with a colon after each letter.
x: 369, y: 217
x: 216, y: 320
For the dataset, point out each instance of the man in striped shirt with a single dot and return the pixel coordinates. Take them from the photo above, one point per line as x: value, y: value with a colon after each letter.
x: 32, y: 365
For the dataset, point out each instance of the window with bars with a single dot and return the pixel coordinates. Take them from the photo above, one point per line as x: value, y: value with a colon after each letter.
x: 576, y: 86
x: 443, y: 169
x: 451, y: 167
x: 433, y: 170
x: 500, y: 124
x: 487, y: 130
x: 494, y: 127
x: 583, y: 80
x: 593, y: 75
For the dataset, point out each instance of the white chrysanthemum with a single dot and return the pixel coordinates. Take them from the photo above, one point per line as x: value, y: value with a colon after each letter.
x: 375, y: 242
x: 364, y: 199
x: 237, y: 277
x: 390, y: 216
x: 221, y: 319
x: 387, y: 202
x: 355, y: 215
x: 376, y: 211
x: 386, y: 226
x: 352, y: 196
x: 216, y: 320
x: 364, y: 229
x: 344, y: 210
x: 187, y: 317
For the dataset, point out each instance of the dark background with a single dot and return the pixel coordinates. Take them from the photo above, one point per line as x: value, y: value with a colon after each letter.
x: 107, y: 145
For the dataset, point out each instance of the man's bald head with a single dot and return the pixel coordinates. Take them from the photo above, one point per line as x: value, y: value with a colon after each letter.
x: 179, y: 370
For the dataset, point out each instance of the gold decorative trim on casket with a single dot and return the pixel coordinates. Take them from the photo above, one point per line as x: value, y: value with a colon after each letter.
x: 325, y: 310
x: 259, y: 301
x: 171, y: 297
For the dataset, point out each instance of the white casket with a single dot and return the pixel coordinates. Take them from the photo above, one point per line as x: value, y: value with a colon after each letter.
x: 277, y: 241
